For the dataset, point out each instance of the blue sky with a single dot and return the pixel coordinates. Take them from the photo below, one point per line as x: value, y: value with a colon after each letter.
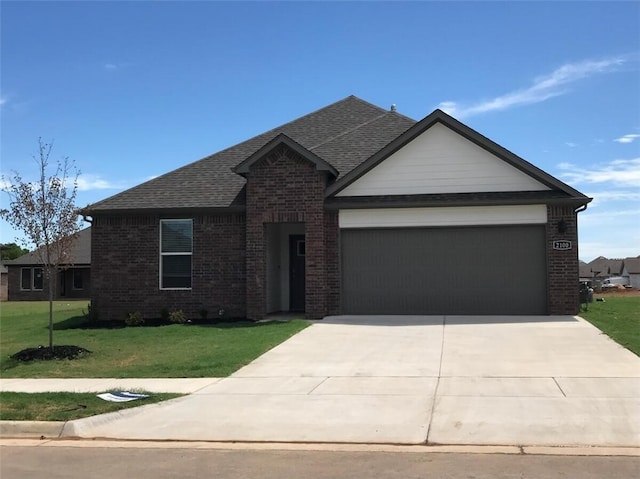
x: 132, y: 90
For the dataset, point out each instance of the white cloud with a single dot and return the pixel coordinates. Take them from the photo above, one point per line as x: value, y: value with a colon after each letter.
x: 544, y: 87
x: 609, y: 215
x: 612, y: 195
x: 570, y: 144
x: 618, y: 172
x: 627, y: 138
x: 3, y: 100
x: 93, y: 182
x: 110, y: 66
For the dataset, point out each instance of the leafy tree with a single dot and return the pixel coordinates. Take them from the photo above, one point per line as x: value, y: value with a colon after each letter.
x: 45, y: 212
x: 10, y: 251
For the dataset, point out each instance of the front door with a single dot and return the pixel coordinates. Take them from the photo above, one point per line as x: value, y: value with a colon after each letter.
x: 296, y: 272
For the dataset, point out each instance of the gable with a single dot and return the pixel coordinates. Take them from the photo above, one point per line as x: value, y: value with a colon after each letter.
x: 278, y: 147
x: 439, y: 160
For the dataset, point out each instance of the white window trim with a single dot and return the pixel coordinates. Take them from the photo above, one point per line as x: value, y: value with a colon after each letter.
x: 174, y: 254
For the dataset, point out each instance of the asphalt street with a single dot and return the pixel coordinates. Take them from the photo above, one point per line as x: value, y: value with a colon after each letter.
x: 78, y: 460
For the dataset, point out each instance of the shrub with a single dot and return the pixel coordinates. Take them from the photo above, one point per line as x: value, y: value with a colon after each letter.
x: 92, y: 313
x: 134, y: 319
x: 177, y: 317
x: 164, y: 315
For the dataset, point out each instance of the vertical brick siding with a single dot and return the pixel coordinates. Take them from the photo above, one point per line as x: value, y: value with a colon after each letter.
x: 562, y: 266
x: 284, y: 187
x: 126, y: 264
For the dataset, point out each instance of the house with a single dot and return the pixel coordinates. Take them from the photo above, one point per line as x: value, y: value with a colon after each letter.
x: 351, y: 209
x: 631, y: 270
x: 585, y: 273
x: 603, y: 268
x: 4, y: 282
x: 27, y: 281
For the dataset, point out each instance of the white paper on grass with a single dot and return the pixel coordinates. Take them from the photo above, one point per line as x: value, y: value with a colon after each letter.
x: 121, y: 396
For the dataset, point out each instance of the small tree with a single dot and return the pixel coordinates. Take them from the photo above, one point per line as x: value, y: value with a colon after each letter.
x: 45, y: 212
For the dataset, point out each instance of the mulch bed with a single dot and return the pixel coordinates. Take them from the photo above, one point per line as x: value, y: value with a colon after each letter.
x: 42, y: 353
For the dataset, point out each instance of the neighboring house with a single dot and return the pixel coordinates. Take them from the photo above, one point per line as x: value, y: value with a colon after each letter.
x: 351, y: 209
x: 27, y: 280
x: 585, y: 271
x: 602, y: 268
x: 4, y: 282
x: 631, y: 270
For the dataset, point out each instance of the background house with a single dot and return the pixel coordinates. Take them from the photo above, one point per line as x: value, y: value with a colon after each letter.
x: 4, y: 282
x: 631, y: 270
x: 602, y: 268
x: 27, y: 282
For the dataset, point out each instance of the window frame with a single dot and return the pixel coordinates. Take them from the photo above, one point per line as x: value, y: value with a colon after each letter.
x: 79, y: 273
x: 22, y: 270
x: 32, y: 278
x: 182, y: 253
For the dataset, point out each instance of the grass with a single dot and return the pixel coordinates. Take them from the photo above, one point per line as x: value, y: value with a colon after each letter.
x: 164, y: 351
x: 64, y: 406
x: 619, y: 318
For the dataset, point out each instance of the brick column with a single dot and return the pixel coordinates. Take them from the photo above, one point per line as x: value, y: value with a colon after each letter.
x: 562, y: 265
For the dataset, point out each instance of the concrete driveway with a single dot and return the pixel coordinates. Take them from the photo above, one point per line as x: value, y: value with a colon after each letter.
x: 410, y: 380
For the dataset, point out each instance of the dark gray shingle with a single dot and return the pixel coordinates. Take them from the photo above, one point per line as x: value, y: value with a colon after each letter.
x: 344, y: 134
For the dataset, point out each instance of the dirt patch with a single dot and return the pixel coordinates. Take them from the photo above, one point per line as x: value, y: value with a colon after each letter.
x: 614, y: 292
x: 42, y: 353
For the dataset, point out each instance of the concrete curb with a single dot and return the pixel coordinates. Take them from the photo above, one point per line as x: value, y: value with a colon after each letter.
x: 50, y: 433
x: 31, y: 429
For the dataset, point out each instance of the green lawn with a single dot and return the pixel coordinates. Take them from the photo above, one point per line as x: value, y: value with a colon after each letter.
x: 619, y: 318
x: 163, y: 351
x: 64, y: 406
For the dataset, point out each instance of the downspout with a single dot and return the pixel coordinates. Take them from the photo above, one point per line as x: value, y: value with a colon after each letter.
x: 576, y: 211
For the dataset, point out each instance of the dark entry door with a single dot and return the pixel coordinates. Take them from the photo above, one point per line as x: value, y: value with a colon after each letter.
x: 296, y: 272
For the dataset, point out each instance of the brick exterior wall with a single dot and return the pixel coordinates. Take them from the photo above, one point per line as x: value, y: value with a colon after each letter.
x: 126, y: 264
x: 562, y: 266
x: 284, y: 187
x: 4, y: 286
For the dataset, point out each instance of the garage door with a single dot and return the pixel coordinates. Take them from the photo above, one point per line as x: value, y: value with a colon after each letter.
x: 452, y: 270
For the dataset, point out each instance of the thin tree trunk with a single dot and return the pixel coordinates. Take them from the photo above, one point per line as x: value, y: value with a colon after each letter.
x: 51, y: 279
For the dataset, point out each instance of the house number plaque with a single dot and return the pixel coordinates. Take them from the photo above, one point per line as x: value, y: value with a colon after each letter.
x: 562, y: 245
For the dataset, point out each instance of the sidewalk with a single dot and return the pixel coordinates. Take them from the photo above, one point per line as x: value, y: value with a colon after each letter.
x: 100, y: 385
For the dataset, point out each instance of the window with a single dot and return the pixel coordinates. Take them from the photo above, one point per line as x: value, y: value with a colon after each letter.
x: 176, y: 247
x: 25, y: 280
x: 78, y: 278
x: 31, y: 279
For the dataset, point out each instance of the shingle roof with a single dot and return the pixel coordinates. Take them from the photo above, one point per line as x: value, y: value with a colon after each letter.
x: 346, y: 138
x: 343, y: 134
x: 605, y: 267
x: 80, y: 253
x: 584, y: 270
x: 632, y: 265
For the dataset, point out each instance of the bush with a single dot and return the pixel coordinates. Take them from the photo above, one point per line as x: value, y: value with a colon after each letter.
x: 164, y: 315
x: 134, y: 319
x: 92, y: 314
x: 177, y: 317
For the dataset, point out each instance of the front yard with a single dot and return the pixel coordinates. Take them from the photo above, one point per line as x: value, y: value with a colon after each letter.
x: 618, y: 317
x: 178, y: 350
